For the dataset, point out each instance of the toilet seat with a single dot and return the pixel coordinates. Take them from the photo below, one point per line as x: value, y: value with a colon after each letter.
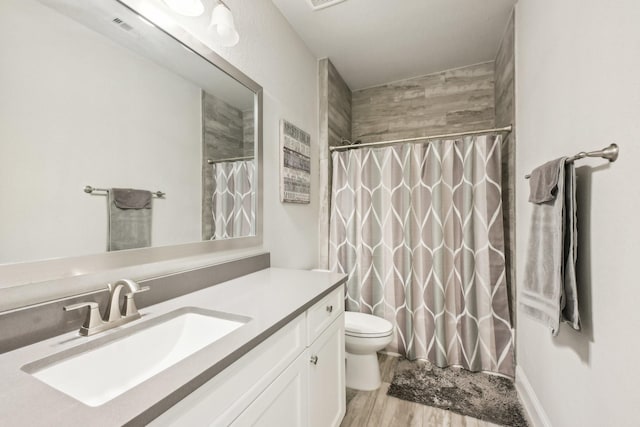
x: 366, y: 325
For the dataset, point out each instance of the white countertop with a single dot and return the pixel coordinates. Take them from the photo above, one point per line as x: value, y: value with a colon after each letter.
x: 271, y: 298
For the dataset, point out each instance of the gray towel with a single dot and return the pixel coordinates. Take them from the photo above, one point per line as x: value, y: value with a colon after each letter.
x: 570, y: 302
x: 129, y: 219
x: 128, y: 198
x: 543, y: 183
x: 549, y: 291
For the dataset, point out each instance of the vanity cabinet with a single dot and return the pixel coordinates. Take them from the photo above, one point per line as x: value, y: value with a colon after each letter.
x: 323, y: 313
x: 327, y: 400
x: 294, y: 378
x: 310, y: 392
x: 284, y: 402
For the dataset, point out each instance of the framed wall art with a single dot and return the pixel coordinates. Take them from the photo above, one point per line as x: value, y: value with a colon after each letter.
x: 295, y: 164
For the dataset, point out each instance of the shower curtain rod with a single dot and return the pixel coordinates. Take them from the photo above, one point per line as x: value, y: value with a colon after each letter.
x: 505, y: 129
x: 230, y: 159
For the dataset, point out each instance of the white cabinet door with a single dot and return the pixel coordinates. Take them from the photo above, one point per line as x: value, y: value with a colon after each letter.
x: 327, y: 400
x: 284, y: 402
x: 220, y: 400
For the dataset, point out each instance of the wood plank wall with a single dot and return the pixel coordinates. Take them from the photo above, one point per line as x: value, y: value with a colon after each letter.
x: 450, y: 101
x: 335, y: 124
x: 505, y: 115
x: 340, y: 107
x: 248, y: 132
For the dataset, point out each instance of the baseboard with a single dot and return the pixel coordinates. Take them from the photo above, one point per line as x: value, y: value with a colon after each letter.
x: 536, y: 415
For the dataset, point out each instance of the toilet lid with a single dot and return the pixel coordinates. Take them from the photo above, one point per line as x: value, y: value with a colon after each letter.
x: 366, y: 325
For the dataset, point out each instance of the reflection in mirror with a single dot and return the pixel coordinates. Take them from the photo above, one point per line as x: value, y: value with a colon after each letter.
x: 229, y: 169
x: 93, y: 94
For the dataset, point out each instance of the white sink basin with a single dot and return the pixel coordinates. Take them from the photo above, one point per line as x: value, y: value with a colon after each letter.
x: 101, y: 370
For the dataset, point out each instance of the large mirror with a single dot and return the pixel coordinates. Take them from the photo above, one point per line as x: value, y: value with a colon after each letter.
x: 118, y: 135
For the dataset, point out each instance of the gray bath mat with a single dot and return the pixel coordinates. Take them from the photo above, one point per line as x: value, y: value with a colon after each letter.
x: 483, y: 396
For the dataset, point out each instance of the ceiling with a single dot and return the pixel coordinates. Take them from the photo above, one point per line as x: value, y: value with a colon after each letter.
x: 372, y: 42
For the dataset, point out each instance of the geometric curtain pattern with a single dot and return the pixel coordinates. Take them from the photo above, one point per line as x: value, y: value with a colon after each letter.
x: 233, y: 199
x: 418, y: 229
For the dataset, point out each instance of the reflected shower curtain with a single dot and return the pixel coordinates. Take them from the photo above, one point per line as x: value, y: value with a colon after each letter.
x: 233, y: 199
x: 418, y: 228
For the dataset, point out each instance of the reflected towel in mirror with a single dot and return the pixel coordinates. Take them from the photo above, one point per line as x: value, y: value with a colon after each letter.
x: 129, y: 219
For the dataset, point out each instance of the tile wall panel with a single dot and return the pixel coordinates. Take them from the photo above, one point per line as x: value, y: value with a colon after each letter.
x: 450, y: 101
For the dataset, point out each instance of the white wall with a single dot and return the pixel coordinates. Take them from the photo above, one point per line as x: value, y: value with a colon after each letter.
x: 274, y: 56
x: 578, y: 88
x: 80, y: 110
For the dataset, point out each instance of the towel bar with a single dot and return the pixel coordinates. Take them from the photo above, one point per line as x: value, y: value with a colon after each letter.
x: 89, y: 190
x: 610, y: 153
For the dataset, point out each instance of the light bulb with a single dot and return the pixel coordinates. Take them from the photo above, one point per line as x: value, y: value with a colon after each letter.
x: 222, y: 28
x: 221, y: 15
x: 225, y: 35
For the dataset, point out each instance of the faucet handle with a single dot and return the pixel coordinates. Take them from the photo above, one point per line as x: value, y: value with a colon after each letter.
x: 139, y: 291
x: 130, y: 308
x: 93, y: 318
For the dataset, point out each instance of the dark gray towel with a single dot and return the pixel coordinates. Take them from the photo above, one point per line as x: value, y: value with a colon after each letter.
x: 543, y: 182
x: 129, y: 219
x: 128, y: 198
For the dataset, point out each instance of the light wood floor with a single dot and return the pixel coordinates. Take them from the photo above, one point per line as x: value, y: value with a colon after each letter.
x: 375, y: 408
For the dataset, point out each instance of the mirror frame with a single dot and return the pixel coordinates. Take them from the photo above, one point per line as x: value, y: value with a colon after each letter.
x: 33, y: 282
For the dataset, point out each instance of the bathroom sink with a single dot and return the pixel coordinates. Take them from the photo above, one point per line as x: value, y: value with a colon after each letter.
x: 103, y: 369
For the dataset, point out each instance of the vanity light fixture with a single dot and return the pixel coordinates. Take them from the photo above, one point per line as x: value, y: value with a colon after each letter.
x: 222, y: 28
x: 186, y: 7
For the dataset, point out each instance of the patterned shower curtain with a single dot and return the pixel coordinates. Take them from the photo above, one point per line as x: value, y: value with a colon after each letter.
x: 418, y: 229
x: 233, y: 199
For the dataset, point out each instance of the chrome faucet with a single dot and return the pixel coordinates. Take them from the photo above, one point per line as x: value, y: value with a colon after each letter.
x: 114, y: 315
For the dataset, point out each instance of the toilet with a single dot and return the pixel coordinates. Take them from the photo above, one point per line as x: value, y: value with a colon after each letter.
x: 365, y: 335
